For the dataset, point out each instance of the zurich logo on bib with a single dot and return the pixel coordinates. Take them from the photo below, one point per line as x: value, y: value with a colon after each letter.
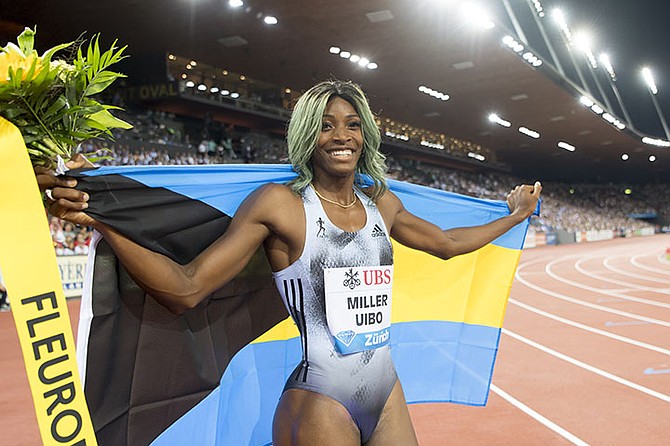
x: 358, y: 306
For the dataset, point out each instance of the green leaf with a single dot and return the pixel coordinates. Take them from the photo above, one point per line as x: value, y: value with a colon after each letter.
x: 48, y: 54
x: 101, y: 81
x: 26, y: 40
x: 106, y: 119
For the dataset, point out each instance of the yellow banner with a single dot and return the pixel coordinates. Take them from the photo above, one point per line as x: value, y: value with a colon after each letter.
x: 30, y: 272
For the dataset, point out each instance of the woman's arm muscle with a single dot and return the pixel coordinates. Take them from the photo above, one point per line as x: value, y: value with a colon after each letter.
x: 181, y: 287
x: 416, y: 233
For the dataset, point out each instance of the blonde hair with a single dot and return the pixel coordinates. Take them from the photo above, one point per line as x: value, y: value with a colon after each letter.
x: 305, y: 126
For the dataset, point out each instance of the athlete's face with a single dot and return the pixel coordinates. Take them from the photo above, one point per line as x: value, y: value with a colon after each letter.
x: 340, y: 142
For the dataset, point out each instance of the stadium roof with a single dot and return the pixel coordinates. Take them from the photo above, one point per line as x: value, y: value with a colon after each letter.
x: 416, y: 43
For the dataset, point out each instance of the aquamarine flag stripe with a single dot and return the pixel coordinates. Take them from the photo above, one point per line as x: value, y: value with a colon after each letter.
x: 225, y: 186
x: 222, y: 186
x: 456, y: 363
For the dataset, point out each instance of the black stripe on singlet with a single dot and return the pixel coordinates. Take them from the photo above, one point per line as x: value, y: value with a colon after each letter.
x: 299, y: 318
x: 304, y: 325
x: 291, y: 309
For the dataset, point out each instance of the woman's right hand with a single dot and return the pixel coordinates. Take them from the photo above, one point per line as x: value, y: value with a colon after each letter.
x: 62, y: 200
x: 68, y: 203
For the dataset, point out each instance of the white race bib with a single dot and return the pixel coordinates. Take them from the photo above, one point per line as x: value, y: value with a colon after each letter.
x: 358, y: 306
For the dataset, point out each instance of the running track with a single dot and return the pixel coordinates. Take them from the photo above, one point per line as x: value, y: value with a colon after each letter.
x: 584, y: 356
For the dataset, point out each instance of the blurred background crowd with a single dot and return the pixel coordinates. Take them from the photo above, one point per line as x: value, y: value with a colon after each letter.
x: 160, y: 138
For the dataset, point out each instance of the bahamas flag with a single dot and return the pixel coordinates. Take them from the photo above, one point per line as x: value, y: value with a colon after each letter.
x: 214, y: 375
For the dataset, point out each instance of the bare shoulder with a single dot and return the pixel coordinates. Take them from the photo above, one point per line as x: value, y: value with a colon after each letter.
x: 388, y: 200
x: 274, y: 201
x: 389, y: 205
x: 274, y: 194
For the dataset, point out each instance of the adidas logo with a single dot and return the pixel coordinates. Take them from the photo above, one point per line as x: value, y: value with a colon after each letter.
x: 378, y: 232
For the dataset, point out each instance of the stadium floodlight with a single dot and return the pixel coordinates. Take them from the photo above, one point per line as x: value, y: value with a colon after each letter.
x: 624, y: 157
x: 355, y: 58
x: 234, y: 95
x: 477, y: 156
x: 607, y: 64
x: 566, y: 146
x: 649, y: 79
x: 334, y: 50
x: 434, y: 93
x: 538, y: 8
x: 528, y: 132
x: 655, y: 142
x: 653, y: 91
x: 560, y: 20
x: 477, y: 15
x: 609, y: 118
x: 372, y: 66
x: 214, y: 89
x: 432, y: 145
x: 566, y: 36
x: 235, y: 3
x: 202, y: 87
x: 397, y: 136
x: 345, y: 54
x: 583, y: 42
x: 585, y: 100
x: 190, y: 84
x: 363, y: 62
x: 652, y: 158
x: 270, y: 20
x: 498, y: 120
x: 597, y: 109
x: 225, y: 92
x: 605, y: 60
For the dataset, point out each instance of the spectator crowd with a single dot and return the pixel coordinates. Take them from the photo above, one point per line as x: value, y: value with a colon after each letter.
x: 160, y: 138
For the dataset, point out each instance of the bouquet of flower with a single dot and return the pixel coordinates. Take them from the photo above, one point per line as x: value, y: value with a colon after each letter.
x: 51, y: 101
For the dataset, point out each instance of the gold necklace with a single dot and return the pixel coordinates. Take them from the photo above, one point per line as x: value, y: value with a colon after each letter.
x: 343, y: 206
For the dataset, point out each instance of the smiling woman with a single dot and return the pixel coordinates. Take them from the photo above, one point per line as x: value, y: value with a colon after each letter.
x: 327, y: 238
x: 308, y: 120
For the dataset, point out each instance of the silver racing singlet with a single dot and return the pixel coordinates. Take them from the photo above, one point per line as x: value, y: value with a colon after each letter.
x: 350, y: 360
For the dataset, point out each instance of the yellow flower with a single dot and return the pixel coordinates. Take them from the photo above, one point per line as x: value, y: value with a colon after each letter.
x: 13, y: 57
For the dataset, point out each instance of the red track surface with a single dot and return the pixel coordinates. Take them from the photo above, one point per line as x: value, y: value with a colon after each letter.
x: 584, y: 356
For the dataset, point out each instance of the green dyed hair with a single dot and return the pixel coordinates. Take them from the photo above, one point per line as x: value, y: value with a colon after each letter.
x: 305, y: 126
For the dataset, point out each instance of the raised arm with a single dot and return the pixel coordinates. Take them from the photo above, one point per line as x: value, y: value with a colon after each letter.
x: 181, y: 287
x: 417, y: 233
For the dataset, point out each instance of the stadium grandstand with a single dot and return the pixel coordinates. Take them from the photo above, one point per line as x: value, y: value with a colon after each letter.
x: 489, y: 77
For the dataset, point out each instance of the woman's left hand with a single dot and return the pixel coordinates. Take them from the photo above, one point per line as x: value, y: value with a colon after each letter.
x: 522, y: 200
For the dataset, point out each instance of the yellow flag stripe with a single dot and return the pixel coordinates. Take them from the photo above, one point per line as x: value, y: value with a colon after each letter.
x: 472, y: 288
x: 30, y: 272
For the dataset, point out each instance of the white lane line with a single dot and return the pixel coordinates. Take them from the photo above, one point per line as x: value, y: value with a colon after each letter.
x: 591, y: 329
x: 588, y: 367
x: 549, y: 265
x: 609, y: 266
x: 588, y: 304
x: 602, y: 300
x: 542, y: 419
x: 619, y: 324
x: 634, y: 261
